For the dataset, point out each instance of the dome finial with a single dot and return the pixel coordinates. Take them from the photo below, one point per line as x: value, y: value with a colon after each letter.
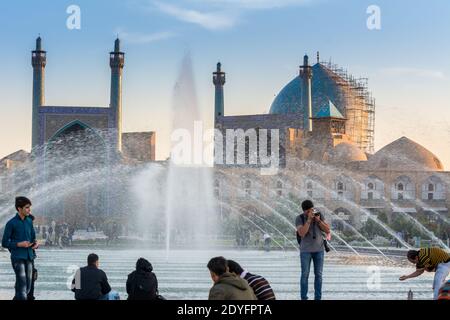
x: 318, y: 57
x: 219, y: 65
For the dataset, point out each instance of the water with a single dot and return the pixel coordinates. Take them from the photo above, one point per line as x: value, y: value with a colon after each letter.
x: 184, y: 275
x: 180, y: 196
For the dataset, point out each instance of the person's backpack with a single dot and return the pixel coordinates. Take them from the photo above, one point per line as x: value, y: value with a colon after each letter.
x: 142, y: 290
x: 299, y: 239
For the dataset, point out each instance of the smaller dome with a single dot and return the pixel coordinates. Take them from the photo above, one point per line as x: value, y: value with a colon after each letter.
x: 346, y: 152
x: 405, y: 154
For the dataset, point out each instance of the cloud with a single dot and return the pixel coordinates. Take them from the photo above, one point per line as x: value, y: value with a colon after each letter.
x: 143, y: 38
x: 257, y: 4
x: 413, y: 72
x: 208, y: 20
x: 221, y: 14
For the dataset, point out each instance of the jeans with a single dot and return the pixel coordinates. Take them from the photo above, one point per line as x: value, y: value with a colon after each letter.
x: 24, y: 272
x: 442, y: 271
x: 112, y: 295
x: 305, y: 261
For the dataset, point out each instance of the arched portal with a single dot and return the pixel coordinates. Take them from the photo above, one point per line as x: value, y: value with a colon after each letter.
x: 76, y: 173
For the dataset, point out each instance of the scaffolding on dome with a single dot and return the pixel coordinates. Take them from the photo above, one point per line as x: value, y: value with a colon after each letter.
x: 360, y: 107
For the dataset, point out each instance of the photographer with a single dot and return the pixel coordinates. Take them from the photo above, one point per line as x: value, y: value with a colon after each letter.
x: 310, y: 226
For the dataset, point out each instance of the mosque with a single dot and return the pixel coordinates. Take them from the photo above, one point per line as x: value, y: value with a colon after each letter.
x: 70, y: 139
x: 325, y: 120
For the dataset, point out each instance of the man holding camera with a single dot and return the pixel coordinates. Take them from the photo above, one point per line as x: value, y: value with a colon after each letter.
x: 20, y: 239
x: 310, y: 228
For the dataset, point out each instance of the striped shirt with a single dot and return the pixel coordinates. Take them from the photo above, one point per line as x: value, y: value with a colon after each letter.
x: 429, y: 258
x: 260, y: 286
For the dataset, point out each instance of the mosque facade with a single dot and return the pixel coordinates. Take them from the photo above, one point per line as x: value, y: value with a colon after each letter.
x: 325, y: 119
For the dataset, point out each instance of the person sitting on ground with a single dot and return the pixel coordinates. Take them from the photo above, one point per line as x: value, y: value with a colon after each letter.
x: 226, y: 285
x: 431, y: 260
x: 259, y: 284
x: 91, y: 283
x: 142, y: 283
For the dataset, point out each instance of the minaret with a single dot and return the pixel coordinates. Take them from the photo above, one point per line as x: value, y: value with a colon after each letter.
x: 306, y: 100
x: 38, y: 61
x: 219, y: 81
x: 116, y: 62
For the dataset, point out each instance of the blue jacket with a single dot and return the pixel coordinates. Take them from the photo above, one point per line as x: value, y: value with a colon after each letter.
x: 18, y: 230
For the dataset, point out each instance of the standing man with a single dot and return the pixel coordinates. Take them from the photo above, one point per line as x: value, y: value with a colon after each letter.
x: 20, y: 239
x: 310, y: 225
x: 430, y: 259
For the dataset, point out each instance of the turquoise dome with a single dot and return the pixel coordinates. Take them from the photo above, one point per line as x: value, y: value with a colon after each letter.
x: 324, y: 89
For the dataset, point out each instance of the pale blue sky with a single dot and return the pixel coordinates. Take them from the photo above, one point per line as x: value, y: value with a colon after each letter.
x: 260, y: 44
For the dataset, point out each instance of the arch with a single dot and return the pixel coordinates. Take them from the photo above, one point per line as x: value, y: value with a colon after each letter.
x: 74, y: 124
x: 313, y: 187
x: 74, y: 148
x: 433, y: 188
x: 73, y: 127
x: 403, y: 188
x: 372, y: 188
x: 343, y: 188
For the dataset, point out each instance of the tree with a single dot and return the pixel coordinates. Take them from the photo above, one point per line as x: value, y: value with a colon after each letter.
x: 372, y: 229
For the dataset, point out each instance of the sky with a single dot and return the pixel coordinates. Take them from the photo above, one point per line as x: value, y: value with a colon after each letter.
x: 260, y: 44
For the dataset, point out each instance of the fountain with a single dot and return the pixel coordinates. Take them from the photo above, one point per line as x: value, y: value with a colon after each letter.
x: 173, y: 220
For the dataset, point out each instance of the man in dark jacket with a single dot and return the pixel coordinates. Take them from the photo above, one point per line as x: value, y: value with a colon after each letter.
x: 91, y: 283
x: 226, y: 285
x: 20, y: 239
x: 142, y: 283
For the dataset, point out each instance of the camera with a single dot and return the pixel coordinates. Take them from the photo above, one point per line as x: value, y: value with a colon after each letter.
x: 316, y: 212
x: 326, y: 246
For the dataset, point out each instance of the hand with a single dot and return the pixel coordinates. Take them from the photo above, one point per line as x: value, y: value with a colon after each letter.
x: 403, y: 278
x: 23, y: 244
x: 317, y: 219
x: 35, y: 246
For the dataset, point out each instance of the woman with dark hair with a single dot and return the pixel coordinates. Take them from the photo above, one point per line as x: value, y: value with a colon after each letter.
x: 142, y: 283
